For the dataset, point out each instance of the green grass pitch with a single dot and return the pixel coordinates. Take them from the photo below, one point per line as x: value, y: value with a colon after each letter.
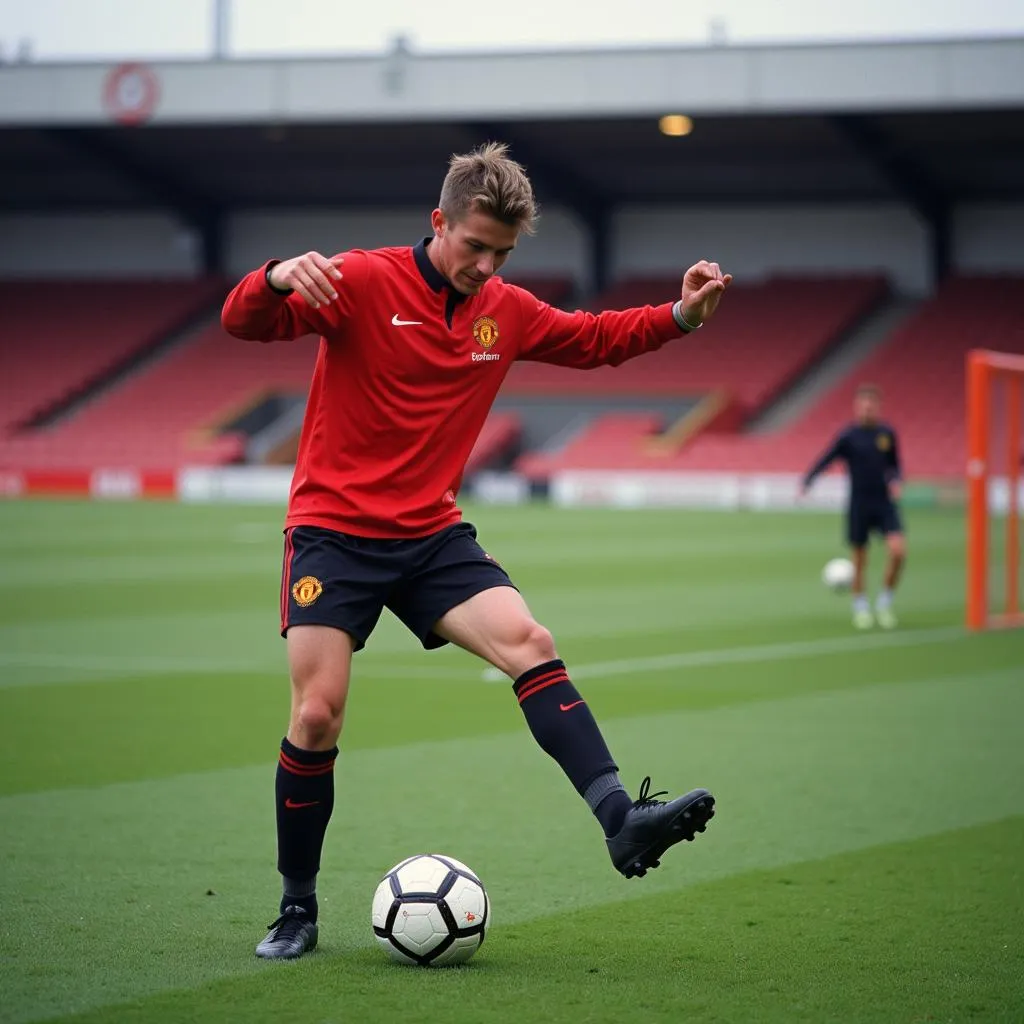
x: 866, y: 863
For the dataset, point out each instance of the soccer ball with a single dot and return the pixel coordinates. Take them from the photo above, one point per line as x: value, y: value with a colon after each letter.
x: 838, y: 574
x: 430, y: 910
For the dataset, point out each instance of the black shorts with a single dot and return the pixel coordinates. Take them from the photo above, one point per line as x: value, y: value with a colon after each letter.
x: 863, y: 520
x: 337, y: 579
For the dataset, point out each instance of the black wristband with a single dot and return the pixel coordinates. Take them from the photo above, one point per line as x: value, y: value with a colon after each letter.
x: 266, y: 277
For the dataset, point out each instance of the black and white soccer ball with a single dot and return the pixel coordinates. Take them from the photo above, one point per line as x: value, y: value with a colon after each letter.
x: 430, y: 910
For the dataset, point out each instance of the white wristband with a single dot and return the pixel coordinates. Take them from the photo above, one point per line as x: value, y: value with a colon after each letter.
x: 679, y: 315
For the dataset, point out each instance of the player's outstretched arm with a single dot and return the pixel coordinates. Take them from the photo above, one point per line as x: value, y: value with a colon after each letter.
x: 585, y: 340
x: 826, y: 460
x: 286, y: 299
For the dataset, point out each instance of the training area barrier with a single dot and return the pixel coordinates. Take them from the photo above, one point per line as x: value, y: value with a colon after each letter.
x: 570, y: 488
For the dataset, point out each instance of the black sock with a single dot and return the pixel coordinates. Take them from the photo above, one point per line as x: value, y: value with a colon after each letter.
x: 305, y: 799
x: 300, y: 894
x: 562, y: 724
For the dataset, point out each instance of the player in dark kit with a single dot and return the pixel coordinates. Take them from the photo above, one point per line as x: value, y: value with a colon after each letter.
x: 415, y: 342
x: 871, y: 453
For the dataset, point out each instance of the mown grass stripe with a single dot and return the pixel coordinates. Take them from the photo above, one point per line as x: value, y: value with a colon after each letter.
x: 761, y: 652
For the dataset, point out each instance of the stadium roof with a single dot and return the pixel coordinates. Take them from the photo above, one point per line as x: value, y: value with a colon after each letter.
x: 931, y: 158
x: 924, y: 124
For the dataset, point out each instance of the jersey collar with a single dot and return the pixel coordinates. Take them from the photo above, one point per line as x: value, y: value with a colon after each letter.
x: 434, y: 278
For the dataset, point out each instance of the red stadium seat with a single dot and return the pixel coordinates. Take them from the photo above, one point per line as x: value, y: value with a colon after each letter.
x: 555, y: 291
x: 611, y: 440
x: 499, y: 438
x: 920, y: 369
x: 59, y: 337
x: 760, y: 342
x: 171, y: 414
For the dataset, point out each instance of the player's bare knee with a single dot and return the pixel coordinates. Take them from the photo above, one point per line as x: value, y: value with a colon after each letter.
x: 538, y: 644
x: 524, y: 645
x: 318, y: 720
x: 897, y: 547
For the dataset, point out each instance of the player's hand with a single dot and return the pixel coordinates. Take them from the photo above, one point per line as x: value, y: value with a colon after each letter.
x: 311, y: 275
x: 895, y: 490
x: 703, y: 285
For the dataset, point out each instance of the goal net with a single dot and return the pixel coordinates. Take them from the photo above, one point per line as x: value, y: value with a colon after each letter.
x: 995, y: 381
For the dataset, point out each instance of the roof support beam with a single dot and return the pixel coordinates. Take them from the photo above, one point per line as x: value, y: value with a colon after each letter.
x: 197, y: 211
x: 908, y: 181
x: 565, y: 187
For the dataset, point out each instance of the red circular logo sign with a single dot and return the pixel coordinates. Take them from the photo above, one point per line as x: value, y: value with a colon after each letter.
x: 130, y: 93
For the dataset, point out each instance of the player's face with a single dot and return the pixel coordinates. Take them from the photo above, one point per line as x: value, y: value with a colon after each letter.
x: 867, y: 408
x: 470, y: 251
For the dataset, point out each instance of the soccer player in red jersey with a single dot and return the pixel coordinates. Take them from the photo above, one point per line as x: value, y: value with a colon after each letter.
x: 415, y: 343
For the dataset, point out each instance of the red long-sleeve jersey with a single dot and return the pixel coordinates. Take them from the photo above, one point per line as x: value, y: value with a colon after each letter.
x: 407, y: 371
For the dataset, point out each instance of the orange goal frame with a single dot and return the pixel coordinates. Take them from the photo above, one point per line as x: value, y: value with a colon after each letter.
x: 984, y: 368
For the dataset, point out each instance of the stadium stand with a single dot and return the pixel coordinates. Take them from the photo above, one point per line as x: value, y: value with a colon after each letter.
x: 614, y: 439
x: 497, y: 442
x: 553, y: 289
x: 761, y: 343
x: 59, y: 338
x: 920, y: 369
x: 172, y: 413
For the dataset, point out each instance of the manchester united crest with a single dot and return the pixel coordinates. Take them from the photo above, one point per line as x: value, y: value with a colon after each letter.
x: 306, y: 591
x: 485, y: 330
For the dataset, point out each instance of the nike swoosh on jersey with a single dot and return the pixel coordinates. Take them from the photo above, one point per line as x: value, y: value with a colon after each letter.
x: 569, y: 707
x: 395, y: 322
x: 293, y: 806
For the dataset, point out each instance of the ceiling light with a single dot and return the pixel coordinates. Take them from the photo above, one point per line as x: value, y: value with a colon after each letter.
x: 675, y: 124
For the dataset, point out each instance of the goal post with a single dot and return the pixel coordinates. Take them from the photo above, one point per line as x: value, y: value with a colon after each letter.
x: 993, y: 454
